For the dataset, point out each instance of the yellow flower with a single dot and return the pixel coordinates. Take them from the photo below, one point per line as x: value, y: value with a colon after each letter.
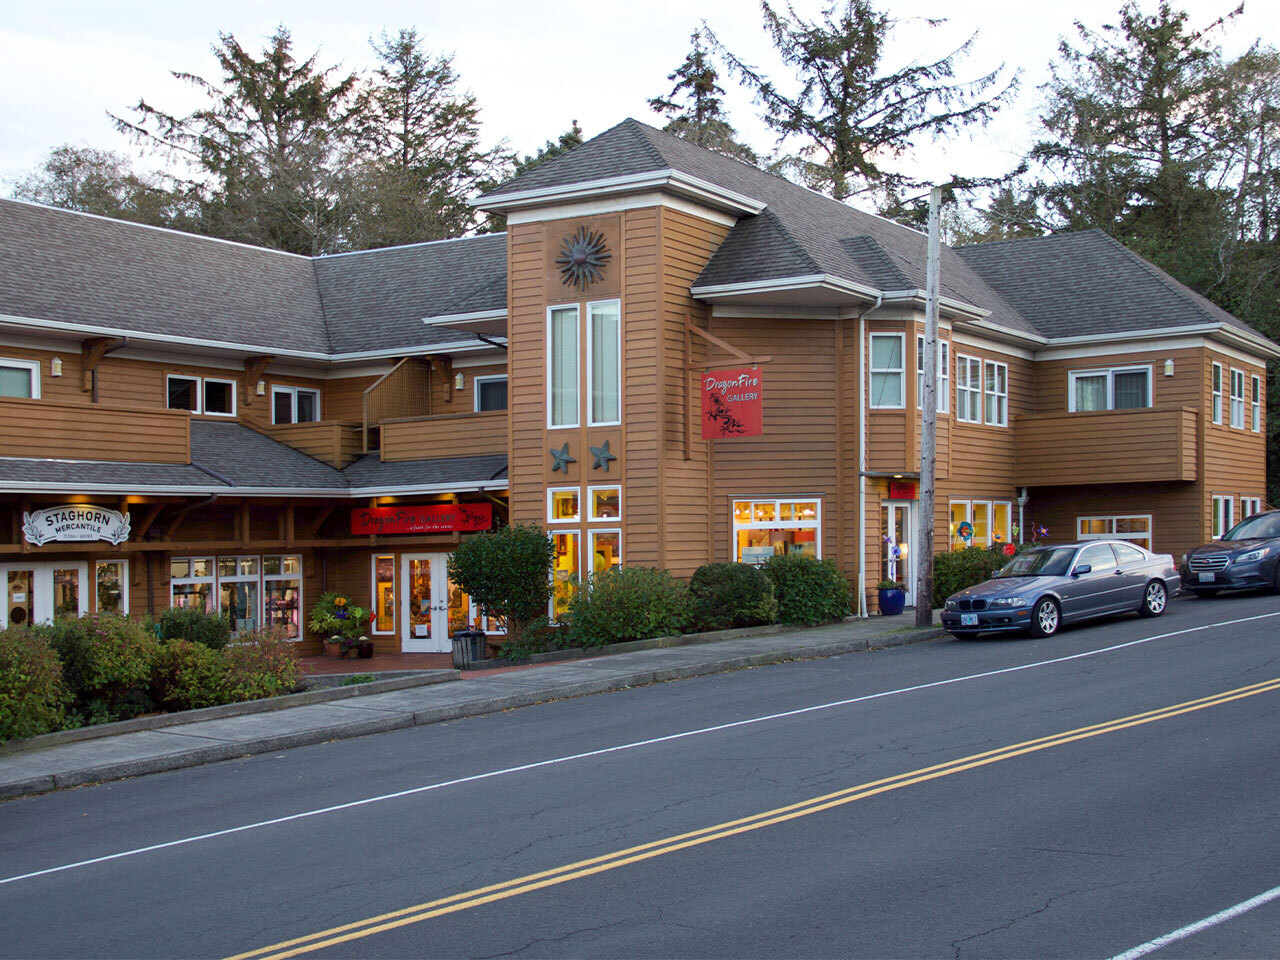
x: 340, y: 601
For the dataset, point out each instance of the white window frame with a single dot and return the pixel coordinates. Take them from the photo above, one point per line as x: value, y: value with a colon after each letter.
x: 591, y: 503
x: 943, y: 389
x: 197, y: 393
x: 1006, y: 535
x: 278, y: 577
x: 1110, y: 373
x: 735, y: 524
x: 293, y: 402
x: 1249, y: 506
x: 1001, y: 397
x: 1237, y: 399
x: 124, y: 581
x: 232, y: 391
x: 900, y: 370
x: 211, y: 580
x: 33, y: 366
x: 237, y: 577
x: 577, y: 368
x: 551, y: 491
x: 1224, y: 514
x: 591, y: 367
x: 579, y: 542
x: 1255, y: 403
x: 967, y: 389
x: 591, y: 547
x: 475, y: 390
x: 373, y: 593
x: 1215, y: 387
x: 1134, y: 536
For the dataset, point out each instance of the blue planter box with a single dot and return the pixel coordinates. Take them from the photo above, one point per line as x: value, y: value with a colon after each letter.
x: 892, y: 602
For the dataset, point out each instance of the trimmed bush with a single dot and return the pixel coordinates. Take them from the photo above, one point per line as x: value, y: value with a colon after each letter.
x: 189, y: 675
x: 810, y: 591
x: 260, y: 665
x: 731, y: 595
x: 628, y: 603
x: 963, y: 568
x: 507, y: 572
x: 32, y: 695
x: 538, y: 637
x: 107, y: 661
x: 194, y: 624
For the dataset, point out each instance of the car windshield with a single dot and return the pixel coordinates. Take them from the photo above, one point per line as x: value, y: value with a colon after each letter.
x: 1263, y: 525
x: 1040, y: 563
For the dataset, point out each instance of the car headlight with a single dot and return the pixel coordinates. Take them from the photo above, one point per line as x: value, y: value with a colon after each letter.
x: 1008, y: 602
x: 1252, y: 556
x: 1183, y: 561
x: 952, y: 605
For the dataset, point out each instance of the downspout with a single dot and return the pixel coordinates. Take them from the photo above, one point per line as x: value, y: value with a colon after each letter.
x: 1022, y: 502
x: 862, y: 458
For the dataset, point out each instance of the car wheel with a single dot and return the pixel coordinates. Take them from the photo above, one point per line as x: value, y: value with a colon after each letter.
x: 1205, y: 594
x: 1154, y: 599
x: 1045, y: 618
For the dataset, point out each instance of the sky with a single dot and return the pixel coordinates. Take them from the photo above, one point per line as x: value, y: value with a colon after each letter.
x: 534, y: 67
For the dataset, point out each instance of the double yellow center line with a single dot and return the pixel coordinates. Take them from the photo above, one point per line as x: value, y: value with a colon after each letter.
x: 657, y: 848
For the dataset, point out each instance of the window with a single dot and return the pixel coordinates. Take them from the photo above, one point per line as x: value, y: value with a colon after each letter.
x: 490, y: 393
x: 887, y: 370
x: 562, y: 505
x: 996, y: 394
x: 207, y: 395
x: 294, y: 405
x: 1121, y: 388
x: 1217, y: 392
x: 606, y: 550
x: 564, y: 572
x: 968, y: 389
x: 282, y: 594
x: 1249, y: 506
x: 562, y: 363
x: 384, y: 594
x: 111, y: 578
x: 1223, y: 515
x: 239, y: 582
x: 1098, y: 556
x: 762, y: 528
x: 605, y: 503
x: 944, y: 374
x: 604, y: 371
x: 20, y: 378
x: 1128, y: 554
x: 990, y: 521
x: 1237, y: 399
x: 251, y: 591
x: 191, y: 583
x: 1134, y: 529
x: 1255, y: 403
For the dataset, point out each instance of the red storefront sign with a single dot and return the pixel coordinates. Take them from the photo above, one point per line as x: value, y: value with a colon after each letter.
x: 902, y: 489
x: 731, y: 404
x: 435, y: 518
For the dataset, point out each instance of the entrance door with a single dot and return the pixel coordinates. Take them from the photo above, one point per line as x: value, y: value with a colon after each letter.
x: 424, y: 611
x: 900, y: 532
x: 39, y: 592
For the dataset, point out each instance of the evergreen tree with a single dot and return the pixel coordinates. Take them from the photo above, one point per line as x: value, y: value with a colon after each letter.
x: 849, y: 115
x: 694, y: 106
x: 551, y: 149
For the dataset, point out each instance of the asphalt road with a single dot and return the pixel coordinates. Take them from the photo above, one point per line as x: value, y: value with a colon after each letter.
x: 1072, y: 797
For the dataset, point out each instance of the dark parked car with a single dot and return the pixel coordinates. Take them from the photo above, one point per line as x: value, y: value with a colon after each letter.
x: 1042, y: 588
x: 1247, y: 557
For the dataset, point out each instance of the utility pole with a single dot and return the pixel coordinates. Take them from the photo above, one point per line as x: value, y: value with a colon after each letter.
x: 928, y: 423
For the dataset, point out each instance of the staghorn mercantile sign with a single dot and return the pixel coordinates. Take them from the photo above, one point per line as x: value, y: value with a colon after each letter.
x: 73, y: 523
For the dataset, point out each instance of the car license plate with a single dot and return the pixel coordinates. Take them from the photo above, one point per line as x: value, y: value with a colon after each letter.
x: 1206, y: 577
x: 968, y: 619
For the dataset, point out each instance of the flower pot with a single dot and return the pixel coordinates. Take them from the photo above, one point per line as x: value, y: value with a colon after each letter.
x: 333, y: 648
x: 366, y: 650
x: 892, y: 602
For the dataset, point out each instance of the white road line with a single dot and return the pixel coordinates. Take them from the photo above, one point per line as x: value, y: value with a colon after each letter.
x: 615, y: 749
x: 1181, y: 934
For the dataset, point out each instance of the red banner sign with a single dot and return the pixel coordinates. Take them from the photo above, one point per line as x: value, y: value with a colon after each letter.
x: 902, y: 489
x: 435, y: 518
x: 731, y: 404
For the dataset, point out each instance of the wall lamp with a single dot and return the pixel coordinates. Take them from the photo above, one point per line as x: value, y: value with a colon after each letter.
x: 55, y: 367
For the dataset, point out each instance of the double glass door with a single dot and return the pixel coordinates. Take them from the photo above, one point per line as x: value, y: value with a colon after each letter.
x: 899, y: 540
x: 38, y: 592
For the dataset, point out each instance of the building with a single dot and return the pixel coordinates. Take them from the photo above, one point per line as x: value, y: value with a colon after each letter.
x: 275, y: 426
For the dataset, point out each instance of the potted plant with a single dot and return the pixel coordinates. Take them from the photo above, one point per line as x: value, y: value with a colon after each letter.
x: 335, y: 616
x: 365, y: 648
x: 333, y: 646
x: 892, y: 596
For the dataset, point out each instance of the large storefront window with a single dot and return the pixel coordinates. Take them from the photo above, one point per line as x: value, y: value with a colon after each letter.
x: 252, y: 592
x: 239, y: 581
x: 564, y: 572
x: 191, y: 583
x: 606, y: 550
x: 762, y: 528
x: 1134, y: 529
x: 384, y: 594
x: 282, y: 594
x: 111, y: 578
x: 980, y: 523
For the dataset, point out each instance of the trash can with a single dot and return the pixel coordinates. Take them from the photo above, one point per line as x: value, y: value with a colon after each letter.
x: 468, y: 646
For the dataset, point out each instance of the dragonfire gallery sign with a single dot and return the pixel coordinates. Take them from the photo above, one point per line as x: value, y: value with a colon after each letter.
x: 75, y: 522
x: 433, y: 518
x: 731, y: 404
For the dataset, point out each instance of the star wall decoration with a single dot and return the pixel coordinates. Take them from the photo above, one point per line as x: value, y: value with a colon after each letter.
x: 560, y: 459
x: 602, y: 457
x: 582, y: 258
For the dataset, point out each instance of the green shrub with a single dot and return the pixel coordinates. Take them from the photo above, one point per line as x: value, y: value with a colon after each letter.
x: 539, y: 636
x: 194, y: 624
x: 809, y: 590
x: 106, y: 664
x: 507, y: 572
x: 628, y: 603
x: 963, y: 568
x: 32, y: 695
x: 261, y: 665
x: 189, y: 675
x: 731, y: 595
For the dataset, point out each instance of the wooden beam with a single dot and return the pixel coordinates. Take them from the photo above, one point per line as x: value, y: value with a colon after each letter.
x: 726, y: 347
x: 290, y: 520
x: 444, y: 367
x: 254, y: 368
x: 93, y: 349
x: 310, y: 532
x: 140, y: 529
x: 246, y: 531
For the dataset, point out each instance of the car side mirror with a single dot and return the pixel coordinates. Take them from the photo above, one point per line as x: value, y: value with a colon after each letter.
x: 1083, y: 568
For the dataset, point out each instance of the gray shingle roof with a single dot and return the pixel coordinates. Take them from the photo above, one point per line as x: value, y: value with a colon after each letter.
x: 247, y: 458
x: 76, y: 473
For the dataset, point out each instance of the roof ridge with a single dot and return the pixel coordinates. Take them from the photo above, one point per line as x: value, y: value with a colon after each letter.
x: 406, y: 246
x: 1170, y: 283
x: 880, y: 252
x: 631, y: 123
x: 1057, y: 235
x: 791, y: 240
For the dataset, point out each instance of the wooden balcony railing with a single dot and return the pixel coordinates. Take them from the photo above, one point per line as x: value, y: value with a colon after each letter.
x: 334, y: 442
x: 1116, y: 446
x: 444, y: 435
x: 93, y: 431
x: 403, y: 391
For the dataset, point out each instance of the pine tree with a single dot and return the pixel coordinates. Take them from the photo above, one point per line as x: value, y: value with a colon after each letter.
x: 694, y: 106
x: 551, y: 149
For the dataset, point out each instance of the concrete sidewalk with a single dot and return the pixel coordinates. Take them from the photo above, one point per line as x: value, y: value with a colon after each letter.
x: 150, y: 745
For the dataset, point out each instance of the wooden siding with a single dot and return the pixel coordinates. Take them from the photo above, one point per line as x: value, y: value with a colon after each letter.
x: 334, y: 442
x: 1117, y: 446
x: 88, y: 431
x: 1233, y: 460
x: 1177, y: 523
x: 526, y: 362
x: 444, y: 435
x: 344, y: 398
x: 461, y: 401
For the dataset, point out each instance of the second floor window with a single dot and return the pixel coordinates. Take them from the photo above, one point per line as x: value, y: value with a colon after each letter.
x: 207, y: 395
x: 887, y: 370
x: 1217, y: 393
x: 294, y: 405
x: 562, y: 364
x: 1121, y: 388
x: 603, y: 385
x: 20, y: 378
x: 491, y: 393
x: 944, y: 374
x: 604, y: 370
x: 1255, y: 404
x: 995, y: 392
x: 1237, y: 399
x: 968, y: 389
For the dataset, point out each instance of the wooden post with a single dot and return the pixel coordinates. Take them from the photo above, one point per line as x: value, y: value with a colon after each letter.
x: 928, y: 424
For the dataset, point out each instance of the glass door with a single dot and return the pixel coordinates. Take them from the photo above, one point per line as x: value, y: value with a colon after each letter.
x: 39, y: 592
x: 425, y: 611
x: 899, y: 539
x: 19, y: 601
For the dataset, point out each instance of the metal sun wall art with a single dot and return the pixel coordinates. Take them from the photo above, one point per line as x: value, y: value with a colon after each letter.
x: 582, y: 258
